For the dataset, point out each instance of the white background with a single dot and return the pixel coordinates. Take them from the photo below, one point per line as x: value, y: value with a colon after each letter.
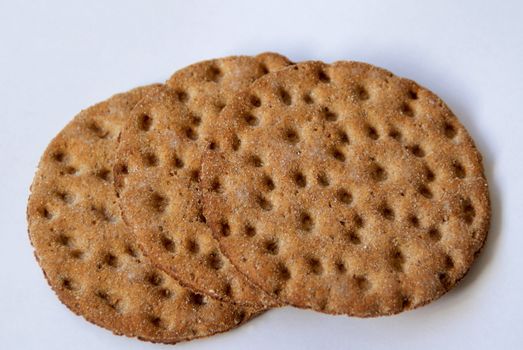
x: 57, y: 57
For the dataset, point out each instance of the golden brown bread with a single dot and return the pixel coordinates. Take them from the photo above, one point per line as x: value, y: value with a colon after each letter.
x: 165, y: 158
x: 345, y: 189
x: 87, y: 252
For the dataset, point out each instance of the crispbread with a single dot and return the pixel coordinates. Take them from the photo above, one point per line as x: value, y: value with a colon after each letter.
x: 345, y: 189
x: 87, y: 253
x: 160, y: 151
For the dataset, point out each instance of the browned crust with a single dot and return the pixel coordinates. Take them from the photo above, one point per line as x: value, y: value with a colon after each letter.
x: 84, y: 248
x: 191, y: 102
x: 386, y: 132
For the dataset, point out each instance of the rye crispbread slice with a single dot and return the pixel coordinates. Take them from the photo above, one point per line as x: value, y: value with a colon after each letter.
x: 345, y: 189
x: 160, y: 150
x: 87, y: 253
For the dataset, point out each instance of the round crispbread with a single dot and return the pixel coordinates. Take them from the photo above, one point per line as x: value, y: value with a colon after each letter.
x: 160, y: 150
x: 88, y: 254
x: 345, y: 189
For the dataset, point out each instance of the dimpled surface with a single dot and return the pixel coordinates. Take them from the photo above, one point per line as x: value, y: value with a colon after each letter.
x: 87, y: 253
x: 345, y: 189
x: 162, y: 155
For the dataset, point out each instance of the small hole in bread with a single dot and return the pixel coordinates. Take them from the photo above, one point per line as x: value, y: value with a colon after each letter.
x: 177, y: 162
x: 323, y: 76
x: 58, y: 156
x: 76, y: 254
x: 214, y: 73
x: 167, y: 243
x: 182, y: 96
x: 413, y: 220
x: 361, y: 93
x: 191, y: 134
x: 65, y: 197
x: 214, y: 261
x: 448, y: 262
x: 251, y: 120
x: 122, y: 169
x: 329, y: 115
x: 372, y: 133
x: 305, y: 222
x: 271, y: 246
x: 97, y: 130
x: 68, y: 284
x: 249, y: 230
x: 291, y: 136
x: 387, y: 212
x: 110, y: 260
x: 144, y: 122
x: 131, y: 251
x: 314, y: 265
x: 449, y: 130
x: 342, y: 136
x: 337, y: 154
x: 157, y: 202
x: 344, y: 196
x: 405, y: 302
x: 397, y: 260
x: 444, y: 280
x: 194, y: 175
x: 255, y: 101
x: 322, y: 179
x: 200, y: 217
x: 434, y: 234
x: 268, y: 183
x: 63, y: 240
x: 285, y: 97
x: 150, y: 159
x: 227, y: 289
x: 283, y: 272
x: 362, y: 283
x: 299, y: 179
x: 154, y: 279
x: 216, y: 186
x: 103, y: 174
x: 255, y: 161
x: 468, y: 211
x: 395, y: 134
x: 340, y: 267
x: 378, y: 173
x: 425, y: 191
x: 225, y: 228
x: 428, y: 174
x: 235, y: 143
x: 307, y: 98
x: 264, y: 203
x: 195, y: 120
x: 69, y: 170
x: 417, y: 151
x: 156, y: 321
x: 406, y: 109
x: 264, y: 69
x: 192, y: 246
x: 240, y: 317
x: 458, y: 169
x: 353, y: 237
x: 413, y: 95
x: 45, y: 213
x: 358, y: 221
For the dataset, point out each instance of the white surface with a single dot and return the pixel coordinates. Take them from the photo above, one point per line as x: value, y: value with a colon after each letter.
x: 59, y: 57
